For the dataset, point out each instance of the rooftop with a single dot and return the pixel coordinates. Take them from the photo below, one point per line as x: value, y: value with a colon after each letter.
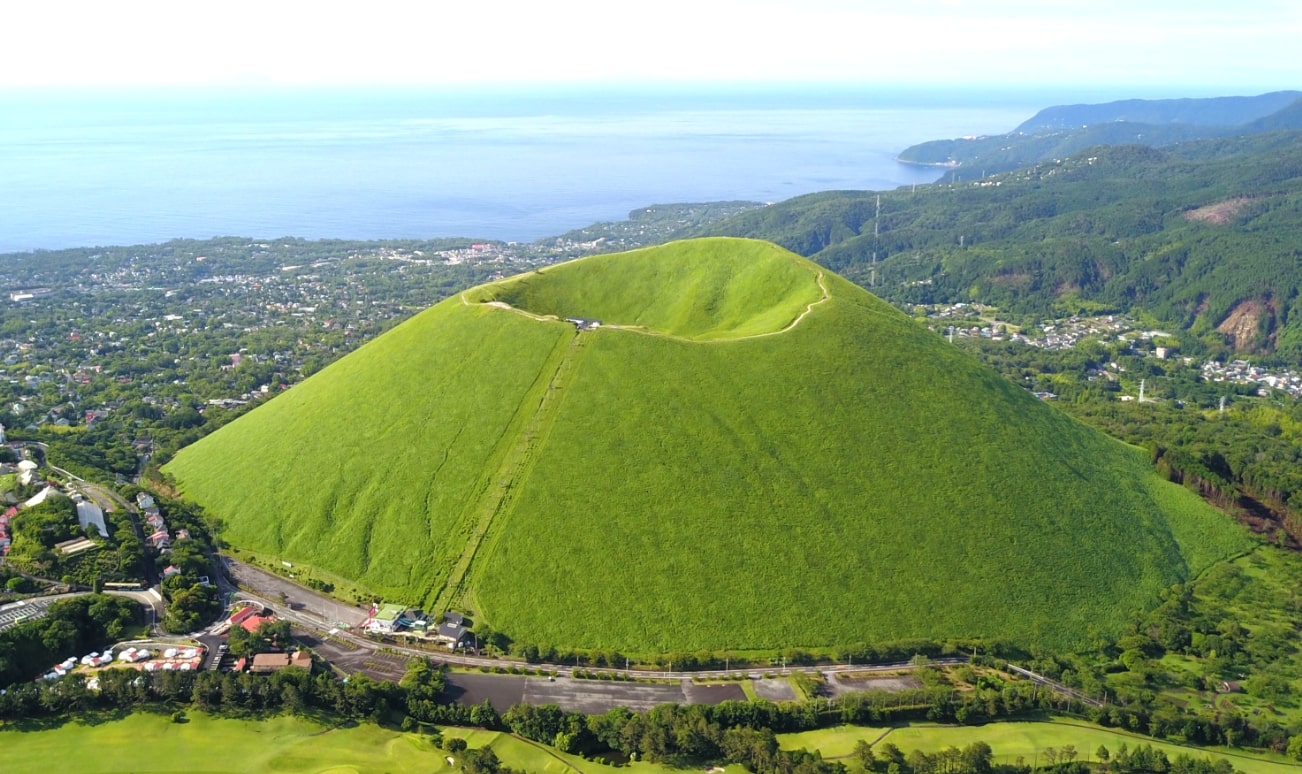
x: 389, y: 612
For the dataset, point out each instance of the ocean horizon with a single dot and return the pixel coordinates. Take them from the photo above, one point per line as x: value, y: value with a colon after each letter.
x: 141, y: 167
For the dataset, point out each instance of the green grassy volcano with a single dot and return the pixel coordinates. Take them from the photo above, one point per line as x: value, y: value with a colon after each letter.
x: 749, y: 452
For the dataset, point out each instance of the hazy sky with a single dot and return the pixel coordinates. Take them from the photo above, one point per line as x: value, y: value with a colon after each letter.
x: 1203, y: 46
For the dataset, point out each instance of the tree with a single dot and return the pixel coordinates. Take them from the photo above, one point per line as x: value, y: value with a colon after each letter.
x: 863, y: 752
x: 481, y: 760
x: 454, y: 744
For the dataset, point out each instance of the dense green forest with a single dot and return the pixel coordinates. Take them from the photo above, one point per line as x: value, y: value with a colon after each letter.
x: 1206, y: 237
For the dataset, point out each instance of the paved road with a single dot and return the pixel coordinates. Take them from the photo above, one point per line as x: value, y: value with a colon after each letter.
x: 303, y: 602
x: 1054, y: 684
x: 314, y: 612
x: 149, y: 599
x: 319, y: 614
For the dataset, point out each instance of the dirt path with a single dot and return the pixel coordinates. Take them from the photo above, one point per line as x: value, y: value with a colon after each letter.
x: 506, y: 480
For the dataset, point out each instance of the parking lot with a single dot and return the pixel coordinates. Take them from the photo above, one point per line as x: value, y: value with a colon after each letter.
x: 350, y: 658
x: 587, y: 696
x: 19, y: 612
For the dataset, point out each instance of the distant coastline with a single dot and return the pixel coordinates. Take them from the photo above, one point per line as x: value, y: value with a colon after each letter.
x: 939, y: 164
x: 328, y: 164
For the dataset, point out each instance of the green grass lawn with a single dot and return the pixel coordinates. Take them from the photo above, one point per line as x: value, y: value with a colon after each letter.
x: 1026, y: 740
x: 150, y: 743
x: 709, y: 489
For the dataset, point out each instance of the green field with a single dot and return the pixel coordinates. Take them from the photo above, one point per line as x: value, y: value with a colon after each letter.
x: 148, y: 743
x: 1026, y: 740
x: 766, y: 457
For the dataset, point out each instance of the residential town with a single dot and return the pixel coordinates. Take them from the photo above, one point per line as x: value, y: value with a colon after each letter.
x: 957, y: 321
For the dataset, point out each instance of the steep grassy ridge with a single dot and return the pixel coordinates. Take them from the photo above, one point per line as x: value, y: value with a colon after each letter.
x: 852, y: 479
x: 849, y: 478
x: 368, y: 469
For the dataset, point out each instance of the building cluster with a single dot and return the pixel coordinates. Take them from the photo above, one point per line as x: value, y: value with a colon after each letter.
x: 89, y: 515
x: 159, y: 537
x: 1063, y: 333
x: 250, y: 618
x: 157, y: 327
x: 1068, y: 332
x: 1266, y: 379
x: 162, y: 659
x: 451, y: 630
x: 6, y: 539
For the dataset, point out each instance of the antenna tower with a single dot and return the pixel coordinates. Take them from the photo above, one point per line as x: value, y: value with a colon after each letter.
x: 1221, y: 410
x: 1141, y: 390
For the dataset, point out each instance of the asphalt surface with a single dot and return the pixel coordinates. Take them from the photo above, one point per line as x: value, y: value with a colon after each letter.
x: 587, y: 696
x: 314, y: 612
x: 318, y: 608
x: 316, y: 620
x: 26, y: 610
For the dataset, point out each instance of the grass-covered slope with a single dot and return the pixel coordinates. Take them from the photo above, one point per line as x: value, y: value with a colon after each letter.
x: 703, y: 293
x: 793, y: 463
x: 365, y: 469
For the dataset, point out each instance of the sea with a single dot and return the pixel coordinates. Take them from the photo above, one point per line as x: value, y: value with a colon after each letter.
x: 131, y: 167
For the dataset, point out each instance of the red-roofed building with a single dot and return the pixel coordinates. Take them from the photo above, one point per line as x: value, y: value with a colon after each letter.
x: 252, y: 623
x: 238, y: 616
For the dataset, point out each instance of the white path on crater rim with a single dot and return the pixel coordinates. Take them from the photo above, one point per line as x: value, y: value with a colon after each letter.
x: 818, y: 278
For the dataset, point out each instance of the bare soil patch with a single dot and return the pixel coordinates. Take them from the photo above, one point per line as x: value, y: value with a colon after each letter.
x: 593, y: 697
x: 1220, y: 213
x: 839, y: 685
x: 1241, y: 325
x: 774, y: 689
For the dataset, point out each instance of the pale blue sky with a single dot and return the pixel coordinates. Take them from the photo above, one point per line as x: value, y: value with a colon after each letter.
x: 1196, y: 46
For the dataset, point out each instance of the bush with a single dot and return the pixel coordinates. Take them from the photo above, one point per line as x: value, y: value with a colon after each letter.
x: 454, y: 744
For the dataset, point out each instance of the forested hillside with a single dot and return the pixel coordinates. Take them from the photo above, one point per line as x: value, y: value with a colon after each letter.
x: 1204, y: 236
